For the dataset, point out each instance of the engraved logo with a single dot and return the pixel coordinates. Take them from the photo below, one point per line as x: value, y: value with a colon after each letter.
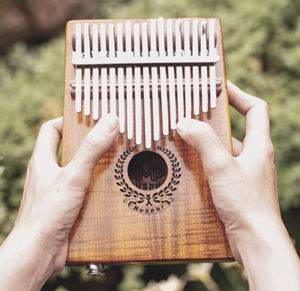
x: 148, y: 173
x: 147, y: 170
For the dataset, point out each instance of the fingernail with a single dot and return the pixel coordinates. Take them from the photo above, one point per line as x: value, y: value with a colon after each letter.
x: 109, y: 123
x: 182, y: 125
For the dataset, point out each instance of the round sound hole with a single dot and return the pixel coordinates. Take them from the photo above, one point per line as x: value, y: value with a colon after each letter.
x: 147, y: 170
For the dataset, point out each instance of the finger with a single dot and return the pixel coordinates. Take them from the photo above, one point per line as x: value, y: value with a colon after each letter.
x: 96, y: 143
x: 45, y: 154
x: 257, y: 116
x: 203, y: 138
x: 47, y: 143
x: 237, y: 147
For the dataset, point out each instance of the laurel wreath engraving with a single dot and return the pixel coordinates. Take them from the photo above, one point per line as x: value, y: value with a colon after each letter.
x: 134, y: 198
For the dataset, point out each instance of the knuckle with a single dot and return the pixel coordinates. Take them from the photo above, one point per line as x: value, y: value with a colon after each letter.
x: 269, y: 150
x: 206, y: 128
x: 205, y: 131
x: 96, y: 144
x: 263, y: 105
x: 46, y: 125
x: 91, y: 142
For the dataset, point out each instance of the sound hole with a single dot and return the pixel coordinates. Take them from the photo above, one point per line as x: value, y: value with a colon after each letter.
x: 147, y: 170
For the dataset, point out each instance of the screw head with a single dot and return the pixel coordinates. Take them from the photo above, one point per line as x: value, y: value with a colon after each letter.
x: 96, y: 270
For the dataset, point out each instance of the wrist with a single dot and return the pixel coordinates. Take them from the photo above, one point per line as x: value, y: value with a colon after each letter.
x: 256, y: 235
x: 35, y: 243
x: 265, y: 249
x: 22, y: 252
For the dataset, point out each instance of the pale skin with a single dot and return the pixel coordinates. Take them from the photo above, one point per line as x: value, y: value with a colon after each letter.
x: 243, y: 188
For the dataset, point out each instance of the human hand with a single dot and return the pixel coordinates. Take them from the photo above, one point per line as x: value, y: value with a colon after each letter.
x: 243, y: 187
x: 52, y: 199
x: 244, y: 192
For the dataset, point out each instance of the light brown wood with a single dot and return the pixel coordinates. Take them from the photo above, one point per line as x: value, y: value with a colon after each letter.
x: 108, y: 231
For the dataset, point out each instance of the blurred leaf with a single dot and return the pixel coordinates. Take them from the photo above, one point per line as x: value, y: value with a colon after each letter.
x: 131, y: 279
x: 173, y: 283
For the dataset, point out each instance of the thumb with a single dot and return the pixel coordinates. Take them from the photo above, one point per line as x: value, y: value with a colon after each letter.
x: 96, y: 143
x: 201, y: 136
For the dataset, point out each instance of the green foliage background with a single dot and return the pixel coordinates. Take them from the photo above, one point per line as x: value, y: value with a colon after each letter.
x: 262, y: 46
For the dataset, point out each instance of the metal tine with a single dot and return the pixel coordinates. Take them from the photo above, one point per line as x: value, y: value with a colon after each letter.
x: 163, y: 77
x: 87, y: 71
x: 146, y: 85
x: 137, y: 86
x: 112, y: 70
x: 154, y: 77
x: 212, y: 68
x: 103, y: 72
x: 203, y: 52
x: 195, y: 52
x: 179, y: 72
x: 129, y: 101
x: 95, y: 52
x: 171, y: 75
x: 187, y: 69
x: 120, y: 73
x: 78, y: 71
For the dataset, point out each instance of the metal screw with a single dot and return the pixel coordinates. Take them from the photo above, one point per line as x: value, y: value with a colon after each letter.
x: 96, y: 270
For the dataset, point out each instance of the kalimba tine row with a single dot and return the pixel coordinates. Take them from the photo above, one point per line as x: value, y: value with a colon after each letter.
x: 148, y: 200
x: 134, y: 47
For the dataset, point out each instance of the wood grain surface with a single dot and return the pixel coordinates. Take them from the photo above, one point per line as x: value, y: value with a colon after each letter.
x: 108, y: 231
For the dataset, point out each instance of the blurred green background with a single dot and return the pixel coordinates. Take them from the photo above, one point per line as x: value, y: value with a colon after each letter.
x: 262, y: 46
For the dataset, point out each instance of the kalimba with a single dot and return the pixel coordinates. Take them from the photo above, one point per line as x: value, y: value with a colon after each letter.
x: 148, y: 200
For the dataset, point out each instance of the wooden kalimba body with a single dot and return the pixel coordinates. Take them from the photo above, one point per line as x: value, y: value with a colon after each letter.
x: 148, y: 200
